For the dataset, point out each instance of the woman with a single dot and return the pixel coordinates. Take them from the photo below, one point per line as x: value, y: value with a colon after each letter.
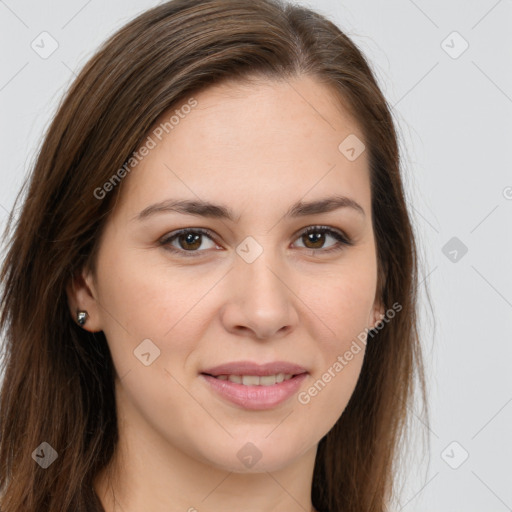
x: 209, y: 296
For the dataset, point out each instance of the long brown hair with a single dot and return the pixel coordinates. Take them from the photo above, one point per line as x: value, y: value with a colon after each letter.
x: 58, y: 378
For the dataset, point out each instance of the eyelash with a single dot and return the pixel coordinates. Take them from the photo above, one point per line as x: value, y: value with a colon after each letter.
x: 343, y: 240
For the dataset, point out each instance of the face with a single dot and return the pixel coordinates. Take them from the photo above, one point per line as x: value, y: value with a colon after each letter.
x: 238, y: 323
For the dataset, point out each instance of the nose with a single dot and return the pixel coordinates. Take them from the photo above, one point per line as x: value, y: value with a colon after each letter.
x: 261, y: 301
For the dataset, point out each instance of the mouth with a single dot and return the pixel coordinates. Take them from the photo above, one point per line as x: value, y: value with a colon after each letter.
x: 252, y: 386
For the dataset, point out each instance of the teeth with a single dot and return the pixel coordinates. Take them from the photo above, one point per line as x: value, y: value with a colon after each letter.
x: 250, y: 380
x: 255, y: 380
x: 267, y: 380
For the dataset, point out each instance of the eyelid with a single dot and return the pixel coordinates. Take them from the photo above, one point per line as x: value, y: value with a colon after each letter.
x: 326, y: 229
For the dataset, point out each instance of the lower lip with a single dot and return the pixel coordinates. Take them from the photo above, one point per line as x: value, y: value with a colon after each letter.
x: 256, y: 397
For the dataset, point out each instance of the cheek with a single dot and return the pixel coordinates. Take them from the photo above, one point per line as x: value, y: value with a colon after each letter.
x: 148, y: 299
x: 348, y: 307
x: 328, y: 393
x: 343, y: 302
x: 141, y: 301
x: 344, y: 307
x: 148, y: 309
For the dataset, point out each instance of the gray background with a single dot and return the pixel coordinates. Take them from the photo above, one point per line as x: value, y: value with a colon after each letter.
x: 454, y: 114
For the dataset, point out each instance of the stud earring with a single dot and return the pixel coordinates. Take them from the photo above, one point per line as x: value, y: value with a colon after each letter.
x: 81, y: 317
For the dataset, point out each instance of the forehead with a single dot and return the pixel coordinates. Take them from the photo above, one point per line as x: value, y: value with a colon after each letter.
x: 262, y: 138
x: 250, y: 113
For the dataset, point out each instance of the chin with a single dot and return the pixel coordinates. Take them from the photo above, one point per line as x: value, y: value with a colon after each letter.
x: 254, y: 454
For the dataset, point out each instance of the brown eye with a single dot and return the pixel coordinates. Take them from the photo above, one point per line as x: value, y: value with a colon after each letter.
x: 189, y: 241
x: 315, y: 238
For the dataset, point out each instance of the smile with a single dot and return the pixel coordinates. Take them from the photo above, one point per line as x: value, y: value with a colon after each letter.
x: 254, y: 392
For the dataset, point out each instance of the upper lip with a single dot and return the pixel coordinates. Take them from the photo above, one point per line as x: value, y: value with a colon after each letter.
x: 250, y: 368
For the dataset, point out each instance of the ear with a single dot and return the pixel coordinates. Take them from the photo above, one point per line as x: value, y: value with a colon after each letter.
x: 82, y: 296
x: 376, y: 314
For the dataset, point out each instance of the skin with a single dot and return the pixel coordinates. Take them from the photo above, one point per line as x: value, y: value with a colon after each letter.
x: 257, y: 149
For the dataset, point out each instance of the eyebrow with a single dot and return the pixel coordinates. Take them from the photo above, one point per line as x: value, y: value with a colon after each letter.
x: 216, y: 211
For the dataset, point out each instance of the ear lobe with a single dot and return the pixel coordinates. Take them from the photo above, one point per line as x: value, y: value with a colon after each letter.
x: 377, y: 314
x: 81, y: 297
